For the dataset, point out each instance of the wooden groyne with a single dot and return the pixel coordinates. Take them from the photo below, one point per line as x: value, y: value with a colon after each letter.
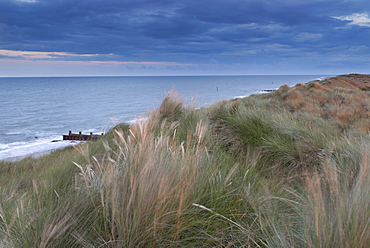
x: 80, y: 136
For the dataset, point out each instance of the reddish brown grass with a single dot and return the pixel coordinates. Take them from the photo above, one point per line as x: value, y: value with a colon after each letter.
x: 343, y: 98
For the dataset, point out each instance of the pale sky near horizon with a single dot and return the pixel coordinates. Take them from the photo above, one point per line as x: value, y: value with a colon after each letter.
x: 189, y: 37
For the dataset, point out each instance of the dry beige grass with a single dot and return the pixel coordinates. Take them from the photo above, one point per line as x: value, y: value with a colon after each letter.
x: 343, y: 98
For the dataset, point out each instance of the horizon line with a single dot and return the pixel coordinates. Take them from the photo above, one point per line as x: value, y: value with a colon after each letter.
x: 185, y: 75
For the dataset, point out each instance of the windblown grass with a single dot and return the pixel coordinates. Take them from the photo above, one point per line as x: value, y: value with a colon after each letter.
x: 253, y: 172
x: 337, y: 207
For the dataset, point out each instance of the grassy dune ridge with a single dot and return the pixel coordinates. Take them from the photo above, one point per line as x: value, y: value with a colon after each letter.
x: 285, y: 169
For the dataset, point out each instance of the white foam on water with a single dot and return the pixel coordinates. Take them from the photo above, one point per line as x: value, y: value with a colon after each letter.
x: 321, y: 78
x: 236, y: 97
x: 3, y: 146
x: 24, y: 149
x: 13, y: 133
x: 136, y: 120
x: 10, y: 145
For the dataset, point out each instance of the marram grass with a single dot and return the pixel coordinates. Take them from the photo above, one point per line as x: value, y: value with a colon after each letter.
x: 246, y: 173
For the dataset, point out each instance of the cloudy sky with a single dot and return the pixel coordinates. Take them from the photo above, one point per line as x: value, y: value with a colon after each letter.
x: 183, y: 37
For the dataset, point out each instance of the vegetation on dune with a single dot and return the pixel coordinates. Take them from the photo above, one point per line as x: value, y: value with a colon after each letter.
x: 285, y: 169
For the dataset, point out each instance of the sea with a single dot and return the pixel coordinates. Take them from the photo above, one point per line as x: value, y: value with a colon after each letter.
x: 35, y: 112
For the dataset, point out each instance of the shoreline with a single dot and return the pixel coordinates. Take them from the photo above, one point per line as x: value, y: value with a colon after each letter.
x: 39, y: 153
x: 13, y: 151
x: 43, y: 152
x: 33, y: 155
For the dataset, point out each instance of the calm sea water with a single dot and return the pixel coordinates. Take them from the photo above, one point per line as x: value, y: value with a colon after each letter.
x: 36, y: 112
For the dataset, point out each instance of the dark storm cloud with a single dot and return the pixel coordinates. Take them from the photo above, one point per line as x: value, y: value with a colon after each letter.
x: 184, y: 31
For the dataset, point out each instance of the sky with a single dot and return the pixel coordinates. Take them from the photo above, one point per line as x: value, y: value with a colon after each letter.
x: 183, y: 37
